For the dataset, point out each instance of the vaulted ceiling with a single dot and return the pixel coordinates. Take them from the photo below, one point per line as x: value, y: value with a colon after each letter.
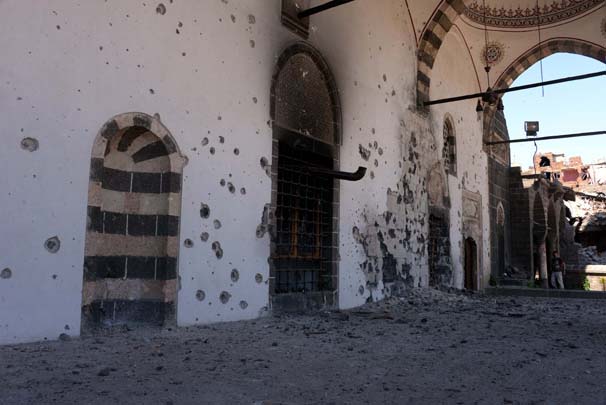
x: 507, y: 35
x: 523, y: 14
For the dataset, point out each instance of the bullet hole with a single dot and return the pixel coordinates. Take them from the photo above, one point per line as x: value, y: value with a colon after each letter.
x: 222, y: 182
x: 243, y: 191
x: 204, y: 210
x: 376, y: 163
x: 66, y: 327
x: 258, y: 278
x: 200, y: 295
x: 188, y: 243
x: 375, y: 144
x: 264, y: 162
x: 255, y: 100
x: 224, y: 297
x: 252, y: 43
x: 54, y: 276
x: 361, y: 290
x: 29, y: 144
x: 204, y: 141
x: 216, y: 246
x: 180, y: 25
x: 151, y: 91
x: 212, y: 150
x: 251, y: 19
x: 161, y: 9
x: 235, y: 275
x: 221, y: 139
x: 204, y: 236
x: 219, y: 118
x: 380, y: 151
x: 372, y: 174
x: 236, y: 151
x: 384, y: 77
x: 217, y: 224
x: 231, y: 188
x: 243, y: 304
x: 374, y: 131
x: 58, y: 27
x: 52, y: 244
x: 183, y: 54
x: 364, y: 153
x: 6, y: 273
x: 233, y: 18
x: 393, y: 93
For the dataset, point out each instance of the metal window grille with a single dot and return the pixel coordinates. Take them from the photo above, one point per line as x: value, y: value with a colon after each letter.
x: 438, y: 248
x: 303, y: 253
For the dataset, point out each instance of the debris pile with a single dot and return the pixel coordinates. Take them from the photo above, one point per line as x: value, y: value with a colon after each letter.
x: 590, y: 255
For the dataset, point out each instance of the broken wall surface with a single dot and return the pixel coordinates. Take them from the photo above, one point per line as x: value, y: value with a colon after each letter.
x: 205, y: 69
x: 453, y: 75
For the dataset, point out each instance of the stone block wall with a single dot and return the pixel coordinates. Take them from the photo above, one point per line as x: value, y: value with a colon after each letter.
x: 520, y: 217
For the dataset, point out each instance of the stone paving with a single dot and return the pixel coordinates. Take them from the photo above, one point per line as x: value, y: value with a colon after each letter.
x: 428, y: 347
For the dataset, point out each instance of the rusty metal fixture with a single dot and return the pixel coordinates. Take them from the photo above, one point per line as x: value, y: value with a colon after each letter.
x: 546, y: 138
x: 335, y: 174
x: 517, y: 88
x: 322, y: 7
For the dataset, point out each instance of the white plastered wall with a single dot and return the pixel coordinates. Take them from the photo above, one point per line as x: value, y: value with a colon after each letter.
x: 68, y: 68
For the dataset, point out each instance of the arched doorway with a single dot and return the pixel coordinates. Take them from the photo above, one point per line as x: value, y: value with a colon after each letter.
x: 306, y: 133
x: 131, y: 251
x: 471, y: 264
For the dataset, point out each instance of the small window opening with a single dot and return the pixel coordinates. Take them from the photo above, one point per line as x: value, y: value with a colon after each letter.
x: 449, y: 150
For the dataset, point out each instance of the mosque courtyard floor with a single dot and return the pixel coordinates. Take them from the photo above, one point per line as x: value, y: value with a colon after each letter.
x: 427, y: 347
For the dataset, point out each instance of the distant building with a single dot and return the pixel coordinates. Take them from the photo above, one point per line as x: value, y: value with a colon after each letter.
x: 571, y: 172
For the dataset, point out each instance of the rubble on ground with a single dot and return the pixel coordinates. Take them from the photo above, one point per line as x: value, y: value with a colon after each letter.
x: 426, y: 346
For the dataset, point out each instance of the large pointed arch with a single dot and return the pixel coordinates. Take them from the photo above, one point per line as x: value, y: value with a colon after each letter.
x: 534, y: 55
x: 432, y: 38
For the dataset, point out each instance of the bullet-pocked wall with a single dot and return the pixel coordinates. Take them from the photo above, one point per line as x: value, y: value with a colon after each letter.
x: 469, y: 188
x: 203, y: 70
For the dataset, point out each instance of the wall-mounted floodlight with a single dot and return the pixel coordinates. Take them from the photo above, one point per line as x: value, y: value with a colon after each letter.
x: 531, y: 128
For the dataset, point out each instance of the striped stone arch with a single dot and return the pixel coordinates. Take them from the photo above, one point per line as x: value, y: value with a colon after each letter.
x: 431, y: 41
x: 132, y: 230
x: 545, y: 49
x: 535, y: 54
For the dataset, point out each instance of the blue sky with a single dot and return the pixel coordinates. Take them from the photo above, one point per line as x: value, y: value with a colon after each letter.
x: 578, y: 106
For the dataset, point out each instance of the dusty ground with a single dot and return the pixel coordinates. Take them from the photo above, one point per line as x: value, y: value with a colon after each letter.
x: 429, y: 347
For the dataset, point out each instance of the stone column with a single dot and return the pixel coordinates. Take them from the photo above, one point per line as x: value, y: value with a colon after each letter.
x: 543, y: 265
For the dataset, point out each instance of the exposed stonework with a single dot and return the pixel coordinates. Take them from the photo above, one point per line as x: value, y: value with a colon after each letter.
x: 130, y: 264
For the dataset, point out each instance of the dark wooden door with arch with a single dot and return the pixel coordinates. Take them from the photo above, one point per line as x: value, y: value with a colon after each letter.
x: 471, y: 264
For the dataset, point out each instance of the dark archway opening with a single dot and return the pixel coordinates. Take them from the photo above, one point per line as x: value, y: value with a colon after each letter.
x: 471, y: 264
x: 306, y: 133
x: 440, y: 267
